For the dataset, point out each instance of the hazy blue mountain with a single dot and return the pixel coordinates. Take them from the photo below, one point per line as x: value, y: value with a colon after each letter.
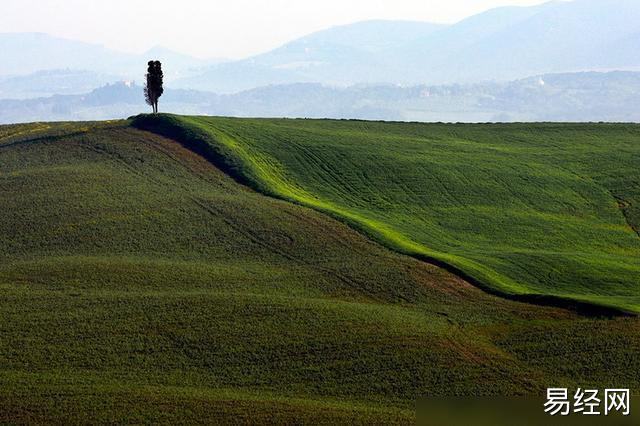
x: 339, y: 56
x: 553, y: 97
x: 624, y: 52
x: 366, y: 36
x: 27, y: 53
x: 501, y: 44
x: 431, y: 58
x: 52, y: 82
x: 558, y: 37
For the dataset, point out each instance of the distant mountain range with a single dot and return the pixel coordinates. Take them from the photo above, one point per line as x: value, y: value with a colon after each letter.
x: 498, y: 45
x: 357, y: 53
x: 53, y: 82
x: 588, y: 96
x: 28, y: 55
x: 475, y: 70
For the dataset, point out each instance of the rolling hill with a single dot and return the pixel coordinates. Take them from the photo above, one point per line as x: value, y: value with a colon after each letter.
x: 527, y: 210
x: 142, y: 283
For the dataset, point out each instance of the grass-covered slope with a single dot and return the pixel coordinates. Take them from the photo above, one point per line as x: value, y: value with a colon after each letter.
x: 139, y: 283
x: 524, y: 209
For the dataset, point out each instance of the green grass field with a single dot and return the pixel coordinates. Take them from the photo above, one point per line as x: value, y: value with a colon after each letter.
x: 139, y: 282
x: 525, y: 209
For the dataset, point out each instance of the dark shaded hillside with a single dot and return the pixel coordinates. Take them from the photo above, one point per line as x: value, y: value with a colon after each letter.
x: 141, y: 284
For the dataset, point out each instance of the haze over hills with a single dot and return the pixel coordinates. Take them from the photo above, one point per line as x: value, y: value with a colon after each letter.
x: 500, y: 44
x: 29, y: 57
x: 53, y: 82
x: 392, y: 70
x: 344, y: 55
x: 552, y: 97
x: 553, y: 37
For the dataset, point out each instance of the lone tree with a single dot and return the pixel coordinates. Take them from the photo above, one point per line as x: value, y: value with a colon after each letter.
x: 153, y: 88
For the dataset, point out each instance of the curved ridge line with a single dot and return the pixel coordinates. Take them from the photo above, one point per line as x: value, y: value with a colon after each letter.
x: 196, y: 140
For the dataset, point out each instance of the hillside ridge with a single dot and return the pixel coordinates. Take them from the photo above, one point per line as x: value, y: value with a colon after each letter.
x: 239, y: 167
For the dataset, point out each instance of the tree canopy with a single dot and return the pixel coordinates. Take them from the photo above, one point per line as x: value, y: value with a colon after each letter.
x: 153, y: 87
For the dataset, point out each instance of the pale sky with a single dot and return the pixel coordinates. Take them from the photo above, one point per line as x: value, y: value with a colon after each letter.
x: 218, y: 28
